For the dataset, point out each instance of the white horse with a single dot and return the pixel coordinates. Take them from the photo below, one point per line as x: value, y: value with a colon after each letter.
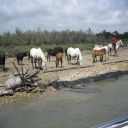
x: 74, y: 53
x: 118, y: 43
x: 37, y: 55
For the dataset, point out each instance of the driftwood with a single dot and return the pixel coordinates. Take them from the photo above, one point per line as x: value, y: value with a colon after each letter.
x: 4, y: 75
x: 13, y: 82
x: 20, y: 81
x: 6, y: 92
x: 24, y: 80
x: 114, y: 62
x: 68, y: 68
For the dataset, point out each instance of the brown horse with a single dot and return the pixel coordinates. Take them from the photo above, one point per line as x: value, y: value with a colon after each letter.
x: 59, y: 57
x: 98, y: 52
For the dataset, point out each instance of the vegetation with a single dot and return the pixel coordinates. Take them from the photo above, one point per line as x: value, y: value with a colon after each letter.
x: 23, y: 41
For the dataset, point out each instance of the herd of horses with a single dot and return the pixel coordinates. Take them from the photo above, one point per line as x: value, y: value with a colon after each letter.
x: 38, y: 59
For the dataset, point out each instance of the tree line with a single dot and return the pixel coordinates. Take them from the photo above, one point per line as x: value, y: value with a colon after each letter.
x: 39, y: 37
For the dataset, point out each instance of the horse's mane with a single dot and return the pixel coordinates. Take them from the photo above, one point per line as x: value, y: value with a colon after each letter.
x: 39, y: 49
x: 42, y: 54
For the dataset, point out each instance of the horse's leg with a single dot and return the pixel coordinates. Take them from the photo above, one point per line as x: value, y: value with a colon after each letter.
x: 93, y: 56
x: 57, y: 63
x: 69, y: 59
x: 32, y: 62
x: 49, y: 58
x: 61, y: 62
x: 93, y: 59
x: 105, y: 57
x: 21, y: 61
x: 110, y: 51
x: 40, y: 63
x: 115, y: 52
x: 77, y: 60
x: 18, y: 61
x: 100, y: 58
x: 65, y: 56
x: 35, y: 62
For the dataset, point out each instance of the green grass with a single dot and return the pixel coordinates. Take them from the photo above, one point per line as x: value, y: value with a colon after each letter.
x: 12, y: 50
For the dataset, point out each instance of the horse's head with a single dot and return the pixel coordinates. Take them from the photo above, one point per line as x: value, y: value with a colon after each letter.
x: 120, y: 43
x: 44, y: 66
x: 24, y: 54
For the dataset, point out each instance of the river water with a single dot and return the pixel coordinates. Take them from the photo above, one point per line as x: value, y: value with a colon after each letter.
x: 70, y: 108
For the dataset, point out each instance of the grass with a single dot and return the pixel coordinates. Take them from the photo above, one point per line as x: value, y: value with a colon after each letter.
x: 12, y: 50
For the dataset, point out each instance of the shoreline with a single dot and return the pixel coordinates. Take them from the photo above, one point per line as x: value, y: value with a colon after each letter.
x: 99, y: 71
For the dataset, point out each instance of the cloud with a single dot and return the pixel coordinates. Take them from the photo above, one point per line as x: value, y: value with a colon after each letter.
x: 110, y: 15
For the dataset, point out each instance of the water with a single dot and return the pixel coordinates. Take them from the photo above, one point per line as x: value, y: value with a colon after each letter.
x: 70, y: 108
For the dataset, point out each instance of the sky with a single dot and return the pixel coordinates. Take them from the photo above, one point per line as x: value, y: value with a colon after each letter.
x: 99, y: 15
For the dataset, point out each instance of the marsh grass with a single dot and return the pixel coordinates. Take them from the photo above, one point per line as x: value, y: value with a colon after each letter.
x: 12, y: 50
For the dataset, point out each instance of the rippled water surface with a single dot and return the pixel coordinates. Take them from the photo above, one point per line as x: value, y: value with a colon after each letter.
x: 70, y: 108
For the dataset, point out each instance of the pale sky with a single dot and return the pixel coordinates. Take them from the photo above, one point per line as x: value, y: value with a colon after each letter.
x: 99, y: 15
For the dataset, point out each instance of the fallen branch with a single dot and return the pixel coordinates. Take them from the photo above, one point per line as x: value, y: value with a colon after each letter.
x: 21, y: 77
x: 4, y: 74
x: 6, y: 92
x: 117, y: 61
x: 61, y: 69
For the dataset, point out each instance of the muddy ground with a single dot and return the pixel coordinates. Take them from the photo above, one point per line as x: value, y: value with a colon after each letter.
x: 73, y: 74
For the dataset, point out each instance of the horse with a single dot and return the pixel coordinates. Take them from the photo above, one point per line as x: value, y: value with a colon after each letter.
x: 37, y: 55
x: 53, y: 52
x: 98, y: 52
x: 74, y: 53
x: 118, y: 43
x: 20, y: 56
x: 101, y: 46
x: 59, y: 57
